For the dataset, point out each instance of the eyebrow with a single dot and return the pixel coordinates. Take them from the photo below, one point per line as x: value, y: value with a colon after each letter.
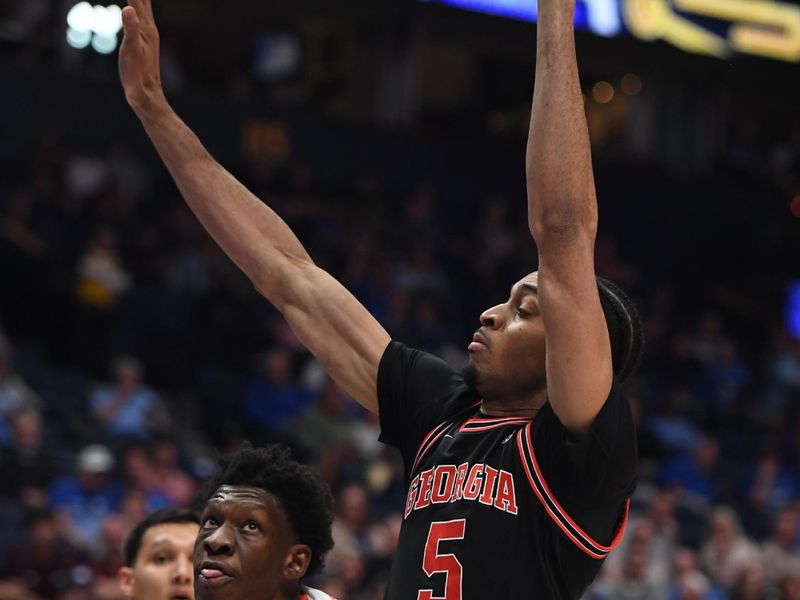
x: 528, y: 287
x: 161, y: 542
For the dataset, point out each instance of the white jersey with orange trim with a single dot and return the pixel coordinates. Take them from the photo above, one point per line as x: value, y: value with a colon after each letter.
x: 307, y: 593
x: 499, y: 507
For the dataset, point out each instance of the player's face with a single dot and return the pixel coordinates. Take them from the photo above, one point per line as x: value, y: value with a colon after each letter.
x: 163, y: 566
x: 507, y: 351
x: 246, y: 548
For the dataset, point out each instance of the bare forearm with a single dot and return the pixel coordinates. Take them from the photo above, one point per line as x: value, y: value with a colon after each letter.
x: 561, y: 195
x: 249, y: 232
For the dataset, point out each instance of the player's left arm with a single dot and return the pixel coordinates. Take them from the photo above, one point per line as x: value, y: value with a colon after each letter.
x: 562, y: 216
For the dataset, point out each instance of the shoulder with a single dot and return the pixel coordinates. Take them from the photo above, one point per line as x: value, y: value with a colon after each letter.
x: 416, y: 371
x: 612, y: 425
x: 600, y: 462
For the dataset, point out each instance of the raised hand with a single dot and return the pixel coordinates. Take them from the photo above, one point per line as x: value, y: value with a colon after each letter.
x: 139, y: 56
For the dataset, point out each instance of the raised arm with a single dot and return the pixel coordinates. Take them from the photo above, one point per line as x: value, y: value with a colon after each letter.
x: 332, y: 324
x: 562, y: 215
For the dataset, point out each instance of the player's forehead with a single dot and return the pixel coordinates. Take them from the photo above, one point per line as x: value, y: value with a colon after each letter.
x: 244, y: 498
x: 528, y: 284
x: 169, y: 535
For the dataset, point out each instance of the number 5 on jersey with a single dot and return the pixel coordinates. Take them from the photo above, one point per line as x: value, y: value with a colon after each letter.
x: 433, y: 562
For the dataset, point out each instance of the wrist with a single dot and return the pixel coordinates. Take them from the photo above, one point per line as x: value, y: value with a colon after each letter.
x: 149, y: 107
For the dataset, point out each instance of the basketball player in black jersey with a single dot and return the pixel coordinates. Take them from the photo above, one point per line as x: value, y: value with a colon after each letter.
x: 519, y: 471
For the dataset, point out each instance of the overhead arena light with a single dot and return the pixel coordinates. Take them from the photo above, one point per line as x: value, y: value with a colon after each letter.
x: 95, y: 26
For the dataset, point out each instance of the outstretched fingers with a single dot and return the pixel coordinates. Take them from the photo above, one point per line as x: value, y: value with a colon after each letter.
x: 138, y: 16
x: 130, y: 20
x: 144, y: 10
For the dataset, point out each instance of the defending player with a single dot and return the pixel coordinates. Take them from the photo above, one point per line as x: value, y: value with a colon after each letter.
x: 519, y: 471
x: 158, y: 557
x: 266, y: 524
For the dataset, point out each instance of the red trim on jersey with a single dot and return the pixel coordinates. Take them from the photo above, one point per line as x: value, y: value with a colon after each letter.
x: 560, y: 516
x: 427, y: 443
x: 437, y: 432
x: 482, y: 424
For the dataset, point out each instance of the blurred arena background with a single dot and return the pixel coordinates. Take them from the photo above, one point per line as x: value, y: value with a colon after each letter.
x: 390, y: 135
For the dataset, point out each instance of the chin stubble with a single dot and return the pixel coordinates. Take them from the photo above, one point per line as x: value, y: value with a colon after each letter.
x: 470, y: 375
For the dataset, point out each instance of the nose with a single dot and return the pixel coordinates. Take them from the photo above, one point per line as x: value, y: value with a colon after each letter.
x: 183, y: 570
x: 220, y: 542
x: 493, y: 318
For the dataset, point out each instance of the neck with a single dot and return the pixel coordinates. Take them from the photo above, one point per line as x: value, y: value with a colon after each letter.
x: 527, y: 406
x: 291, y: 590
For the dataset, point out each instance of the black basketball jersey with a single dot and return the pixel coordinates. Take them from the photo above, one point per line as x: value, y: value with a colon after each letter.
x: 499, y: 507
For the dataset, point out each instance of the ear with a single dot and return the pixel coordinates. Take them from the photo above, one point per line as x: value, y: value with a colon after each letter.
x: 125, y: 579
x: 297, y: 559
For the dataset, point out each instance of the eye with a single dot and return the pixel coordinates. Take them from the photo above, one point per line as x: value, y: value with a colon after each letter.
x: 252, y: 526
x: 210, y: 522
x: 160, y: 559
x: 522, y: 313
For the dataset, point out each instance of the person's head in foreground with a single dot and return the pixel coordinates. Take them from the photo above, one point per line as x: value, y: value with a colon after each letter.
x: 158, y: 557
x: 266, y: 524
x: 507, y: 354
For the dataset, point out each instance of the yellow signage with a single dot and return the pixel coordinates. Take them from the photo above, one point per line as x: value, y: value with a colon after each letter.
x: 267, y: 140
x: 758, y: 27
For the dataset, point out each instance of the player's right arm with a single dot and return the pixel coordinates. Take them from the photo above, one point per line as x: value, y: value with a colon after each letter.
x: 562, y: 215
x: 331, y: 323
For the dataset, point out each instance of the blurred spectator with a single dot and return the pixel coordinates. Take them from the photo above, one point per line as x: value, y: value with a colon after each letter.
x: 15, y: 394
x: 83, y: 501
x: 675, y: 432
x: 421, y: 214
x: 350, y: 534
x: 768, y: 485
x: 326, y: 423
x: 45, y: 564
x: 26, y: 467
x: 694, y: 474
x: 728, y: 553
x: 782, y: 389
x: 688, y: 582
x: 750, y: 584
x: 789, y: 587
x: 127, y: 169
x: 641, y: 567
x: 101, y: 276
x: 18, y: 227
x: 421, y: 273
x: 273, y: 397
x: 188, y: 272
x: 655, y: 534
x: 693, y: 586
x: 139, y: 475
x: 780, y: 553
x: 634, y: 583
x: 101, y: 281
x: 107, y: 559
x: 127, y: 409
x: 725, y: 376
x: 179, y: 488
x: 429, y: 332
x: 708, y: 341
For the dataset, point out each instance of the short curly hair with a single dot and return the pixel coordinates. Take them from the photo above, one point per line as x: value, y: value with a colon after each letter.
x: 304, y: 496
